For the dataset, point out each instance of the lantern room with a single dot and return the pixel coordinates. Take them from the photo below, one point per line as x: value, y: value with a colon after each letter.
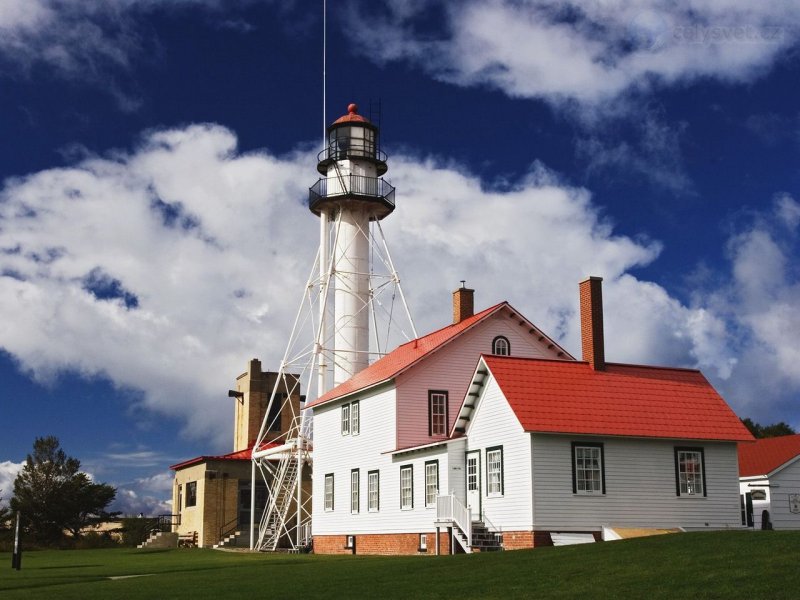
x: 351, y: 166
x: 352, y: 136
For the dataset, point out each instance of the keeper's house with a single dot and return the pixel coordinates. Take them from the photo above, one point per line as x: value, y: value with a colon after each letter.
x: 486, y: 434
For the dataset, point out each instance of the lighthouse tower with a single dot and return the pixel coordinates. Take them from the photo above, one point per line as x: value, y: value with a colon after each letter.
x: 347, y: 318
x: 352, y: 191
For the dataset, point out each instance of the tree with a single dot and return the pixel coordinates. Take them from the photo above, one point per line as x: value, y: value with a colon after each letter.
x: 768, y: 431
x: 53, y: 494
x: 5, y: 514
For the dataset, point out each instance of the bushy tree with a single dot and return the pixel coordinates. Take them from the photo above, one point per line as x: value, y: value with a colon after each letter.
x: 53, y: 494
x: 768, y: 431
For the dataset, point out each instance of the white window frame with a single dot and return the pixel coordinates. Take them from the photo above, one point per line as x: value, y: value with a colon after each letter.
x: 373, y: 491
x: 588, y: 469
x: 355, y: 489
x: 690, y: 482
x: 329, y: 492
x: 423, y: 542
x: 501, y: 346
x: 431, y: 483
x: 355, y: 418
x: 494, y: 471
x: 407, y: 487
x: 345, y: 419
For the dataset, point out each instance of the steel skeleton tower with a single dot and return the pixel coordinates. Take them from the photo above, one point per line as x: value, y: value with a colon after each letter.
x: 346, y: 318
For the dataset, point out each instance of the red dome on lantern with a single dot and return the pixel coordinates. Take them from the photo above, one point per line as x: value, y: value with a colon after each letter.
x: 351, y: 116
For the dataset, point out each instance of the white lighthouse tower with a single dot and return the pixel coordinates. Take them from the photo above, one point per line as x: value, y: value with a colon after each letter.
x: 352, y: 189
x: 347, y: 318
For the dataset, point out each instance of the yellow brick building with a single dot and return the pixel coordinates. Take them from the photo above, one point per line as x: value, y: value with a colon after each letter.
x: 211, y: 495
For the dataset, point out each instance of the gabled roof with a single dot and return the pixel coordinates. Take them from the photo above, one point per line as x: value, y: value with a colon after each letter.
x: 239, y: 455
x: 553, y: 396
x: 402, y: 357
x: 767, y: 455
x: 405, y: 356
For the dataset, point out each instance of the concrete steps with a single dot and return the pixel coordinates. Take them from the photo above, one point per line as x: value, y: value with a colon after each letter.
x: 160, y: 539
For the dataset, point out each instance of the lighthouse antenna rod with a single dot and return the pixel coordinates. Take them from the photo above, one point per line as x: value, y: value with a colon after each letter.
x: 324, y: 69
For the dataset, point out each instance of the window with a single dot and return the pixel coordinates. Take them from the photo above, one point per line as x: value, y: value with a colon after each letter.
x: 437, y: 412
x: 329, y: 491
x: 274, y: 417
x: 373, y: 491
x: 351, y: 421
x: 690, y: 474
x: 346, y: 419
x: 354, y: 489
x: 588, y: 474
x: 191, y: 493
x: 423, y: 542
x: 500, y: 346
x: 494, y: 471
x: 431, y: 482
x: 354, y: 414
x: 180, y: 498
x: 350, y: 542
x: 407, y: 487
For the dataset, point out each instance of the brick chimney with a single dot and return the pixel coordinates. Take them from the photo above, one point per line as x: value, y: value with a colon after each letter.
x: 592, y: 342
x: 463, y: 303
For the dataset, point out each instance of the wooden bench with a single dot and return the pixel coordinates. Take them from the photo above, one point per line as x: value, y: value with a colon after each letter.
x: 187, y: 540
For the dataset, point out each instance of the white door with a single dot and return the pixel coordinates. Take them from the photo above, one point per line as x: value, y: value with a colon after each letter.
x: 474, y: 483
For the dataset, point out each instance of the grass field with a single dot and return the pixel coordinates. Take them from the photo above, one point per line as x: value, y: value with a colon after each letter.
x: 750, y: 565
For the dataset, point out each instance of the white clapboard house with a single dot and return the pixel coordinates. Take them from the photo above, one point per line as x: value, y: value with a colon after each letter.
x: 769, y: 471
x: 487, y: 434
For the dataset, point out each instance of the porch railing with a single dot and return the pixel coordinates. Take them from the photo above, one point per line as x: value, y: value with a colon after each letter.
x: 449, y: 508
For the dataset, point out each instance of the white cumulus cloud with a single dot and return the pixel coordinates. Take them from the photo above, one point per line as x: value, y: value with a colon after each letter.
x: 164, y: 268
x: 588, y: 51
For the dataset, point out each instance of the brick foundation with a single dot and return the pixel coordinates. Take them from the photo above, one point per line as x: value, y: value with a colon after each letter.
x: 518, y: 540
x: 381, y: 543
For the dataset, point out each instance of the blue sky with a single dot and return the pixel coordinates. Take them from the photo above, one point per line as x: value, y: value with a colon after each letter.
x: 155, y: 155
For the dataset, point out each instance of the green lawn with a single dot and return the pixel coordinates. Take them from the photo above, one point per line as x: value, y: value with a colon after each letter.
x: 750, y: 565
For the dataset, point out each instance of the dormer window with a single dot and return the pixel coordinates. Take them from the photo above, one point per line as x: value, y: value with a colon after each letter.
x: 500, y: 346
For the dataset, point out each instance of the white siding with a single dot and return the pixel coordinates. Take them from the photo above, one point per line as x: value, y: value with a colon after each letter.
x: 368, y: 451
x: 783, y: 483
x: 451, y: 368
x: 640, y: 485
x: 494, y: 424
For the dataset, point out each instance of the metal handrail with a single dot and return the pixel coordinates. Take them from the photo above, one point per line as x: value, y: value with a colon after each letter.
x: 228, y: 528
x: 356, y: 185
x: 165, y: 522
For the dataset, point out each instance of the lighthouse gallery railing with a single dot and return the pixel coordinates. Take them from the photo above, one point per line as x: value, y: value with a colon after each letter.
x: 353, y: 185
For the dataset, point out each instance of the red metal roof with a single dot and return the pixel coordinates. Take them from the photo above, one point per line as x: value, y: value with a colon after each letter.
x: 767, y: 454
x: 624, y: 400
x: 240, y: 455
x: 351, y: 116
x: 403, y: 357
